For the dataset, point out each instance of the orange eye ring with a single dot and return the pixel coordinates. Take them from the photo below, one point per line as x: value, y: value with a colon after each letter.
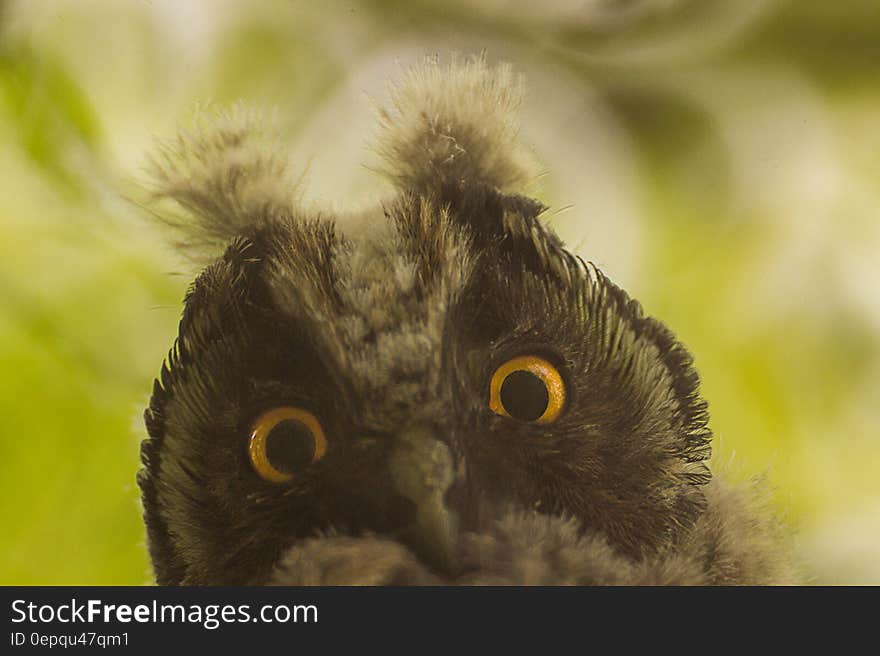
x: 527, y: 378
x: 258, y: 446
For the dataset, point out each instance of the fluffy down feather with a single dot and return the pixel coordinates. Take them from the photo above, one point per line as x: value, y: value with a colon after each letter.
x: 229, y: 175
x: 738, y: 541
x: 452, y: 123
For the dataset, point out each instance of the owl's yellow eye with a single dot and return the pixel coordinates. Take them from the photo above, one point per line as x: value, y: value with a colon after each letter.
x: 527, y: 388
x: 284, y: 442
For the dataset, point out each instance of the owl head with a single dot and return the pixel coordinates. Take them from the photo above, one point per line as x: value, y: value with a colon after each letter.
x: 413, y: 382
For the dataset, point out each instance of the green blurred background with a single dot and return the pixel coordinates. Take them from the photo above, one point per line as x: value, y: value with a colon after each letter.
x: 718, y: 158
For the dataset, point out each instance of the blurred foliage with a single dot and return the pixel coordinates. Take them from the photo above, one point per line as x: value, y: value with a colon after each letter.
x: 719, y: 157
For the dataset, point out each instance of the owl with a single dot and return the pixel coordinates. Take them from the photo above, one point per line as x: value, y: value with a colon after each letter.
x: 435, y: 391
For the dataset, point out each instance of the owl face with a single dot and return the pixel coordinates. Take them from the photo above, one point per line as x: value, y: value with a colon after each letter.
x: 414, y: 380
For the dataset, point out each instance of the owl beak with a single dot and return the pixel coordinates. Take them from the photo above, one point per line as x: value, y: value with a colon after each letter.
x: 422, y: 470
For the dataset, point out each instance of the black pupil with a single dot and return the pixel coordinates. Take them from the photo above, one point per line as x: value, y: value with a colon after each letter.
x: 290, y: 446
x: 524, y: 396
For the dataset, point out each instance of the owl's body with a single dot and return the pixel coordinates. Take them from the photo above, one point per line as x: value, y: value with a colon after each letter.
x: 445, y: 396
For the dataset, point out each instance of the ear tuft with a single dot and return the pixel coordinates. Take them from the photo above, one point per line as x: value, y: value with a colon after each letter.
x: 453, y: 123
x: 225, y: 177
